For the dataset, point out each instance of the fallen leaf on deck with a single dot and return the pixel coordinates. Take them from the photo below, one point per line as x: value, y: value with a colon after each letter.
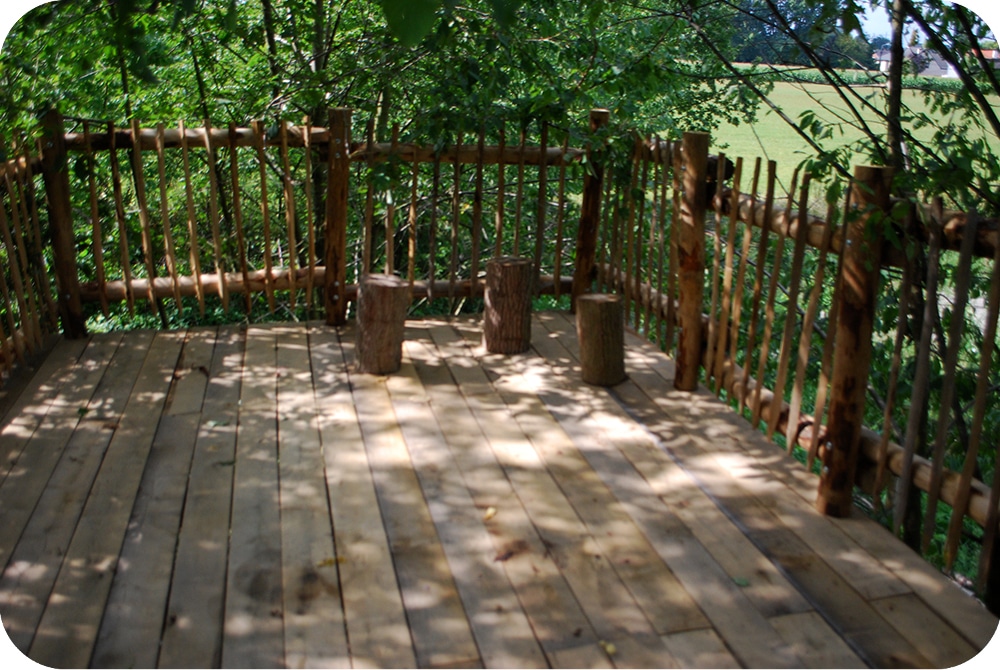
x: 609, y: 647
x: 490, y: 513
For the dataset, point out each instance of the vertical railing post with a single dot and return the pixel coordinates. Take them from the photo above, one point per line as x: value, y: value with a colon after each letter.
x: 55, y: 173
x: 335, y: 248
x: 590, y: 211
x: 860, y: 271
x: 691, y: 259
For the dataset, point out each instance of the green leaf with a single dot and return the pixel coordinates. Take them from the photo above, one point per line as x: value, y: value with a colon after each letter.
x: 504, y: 11
x: 410, y: 20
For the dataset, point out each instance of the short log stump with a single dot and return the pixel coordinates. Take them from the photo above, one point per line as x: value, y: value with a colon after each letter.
x: 600, y: 329
x: 383, y: 301
x: 507, y: 314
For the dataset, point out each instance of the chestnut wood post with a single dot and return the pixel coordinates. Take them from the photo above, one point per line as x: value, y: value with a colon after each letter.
x: 335, y: 247
x: 860, y: 271
x: 691, y: 259
x: 56, y: 176
x: 590, y: 212
x: 507, y: 315
x: 600, y: 330
x: 382, y: 304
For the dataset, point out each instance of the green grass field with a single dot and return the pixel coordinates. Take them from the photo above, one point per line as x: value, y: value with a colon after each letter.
x: 771, y: 138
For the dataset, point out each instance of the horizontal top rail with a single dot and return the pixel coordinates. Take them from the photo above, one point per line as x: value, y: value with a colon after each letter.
x: 751, y: 209
x: 471, y: 153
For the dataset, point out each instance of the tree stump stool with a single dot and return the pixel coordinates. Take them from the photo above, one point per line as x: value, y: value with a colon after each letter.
x: 600, y: 329
x: 383, y: 301
x: 507, y: 316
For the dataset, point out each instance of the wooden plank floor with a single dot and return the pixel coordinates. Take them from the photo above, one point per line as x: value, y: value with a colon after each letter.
x: 241, y: 497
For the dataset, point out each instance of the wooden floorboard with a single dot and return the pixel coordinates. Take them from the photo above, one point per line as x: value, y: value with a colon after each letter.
x: 240, y: 496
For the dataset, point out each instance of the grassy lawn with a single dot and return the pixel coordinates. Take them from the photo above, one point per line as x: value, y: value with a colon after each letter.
x: 771, y: 138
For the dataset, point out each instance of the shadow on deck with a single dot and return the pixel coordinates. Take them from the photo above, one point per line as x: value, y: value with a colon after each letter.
x: 242, y: 498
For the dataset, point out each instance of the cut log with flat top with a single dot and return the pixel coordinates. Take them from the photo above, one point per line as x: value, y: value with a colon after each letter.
x: 507, y: 318
x: 600, y: 329
x: 382, y: 304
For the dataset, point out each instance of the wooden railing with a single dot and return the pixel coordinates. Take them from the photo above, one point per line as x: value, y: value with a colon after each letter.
x: 773, y: 307
x: 26, y: 295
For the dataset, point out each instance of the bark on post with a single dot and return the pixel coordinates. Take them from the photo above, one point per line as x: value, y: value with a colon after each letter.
x: 335, y: 246
x: 507, y: 315
x: 691, y: 259
x: 600, y: 330
x: 853, y: 345
x: 382, y: 304
x: 590, y: 212
x: 56, y: 176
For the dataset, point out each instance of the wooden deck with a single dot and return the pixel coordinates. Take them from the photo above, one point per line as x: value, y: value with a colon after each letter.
x: 242, y: 498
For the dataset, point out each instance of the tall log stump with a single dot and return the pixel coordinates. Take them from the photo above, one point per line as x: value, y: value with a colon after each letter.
x: 382, y: 304
x: 600, y: 329
x: 507, y: 317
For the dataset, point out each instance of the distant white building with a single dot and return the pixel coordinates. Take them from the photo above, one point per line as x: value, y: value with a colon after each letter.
x: 926, y: 62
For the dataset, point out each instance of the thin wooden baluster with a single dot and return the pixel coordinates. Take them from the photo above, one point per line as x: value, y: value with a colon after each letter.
x: 435, y: 197
x: 456, y: 212
x: 140, y: 197
x: 962, y: 282
x: 520, y: 195
x: 289, y: 195
x: 649, y: 317
x: 366, y: 254
x: 660, y: 187
x: 213, y: 214
x: 27, y: 328
x: 826, y: 365
x: 630, y: 234
x: 921, y: 373
x: 411, y: 223
x: 641, y: 302
x: 721, y: 344
x: 241, y: 245
x: 95, y: 221
x: 32, y: 317
x: 477, y: 214
x: 772, y: 292
x: 501, y: 179
x: 734, y: 332
x: 791, y: 311
x: 978, y: 413
x: 123, y: 246
x: 605, y: 241
x: 258, y: 132
x: 192, y: 222
x: 39, y: 260
x: 543, y: 205
x: 714, y: 324
x: 390, y: 213
x: 894, y: 367
x: 168, y: 238
x: 672, y: 276
x: 17, y: 338
x: 310, y: 218
x: 560, y: 217
x: 758, y: 288
x: 805, y: 338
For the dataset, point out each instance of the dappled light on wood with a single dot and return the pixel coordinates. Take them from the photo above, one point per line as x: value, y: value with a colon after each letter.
x: 470, y: 509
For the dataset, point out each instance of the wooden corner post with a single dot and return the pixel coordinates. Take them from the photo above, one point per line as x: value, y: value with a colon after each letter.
x: 590, y: 212
x: 691, y: 259
x: 55, y: 173
x: 860, y: 271
x: 335, y: 248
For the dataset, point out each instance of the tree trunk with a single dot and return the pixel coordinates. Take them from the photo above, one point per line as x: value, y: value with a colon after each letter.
x: 382, y: 304
x: 507, y: 317
x: 600, y: 329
